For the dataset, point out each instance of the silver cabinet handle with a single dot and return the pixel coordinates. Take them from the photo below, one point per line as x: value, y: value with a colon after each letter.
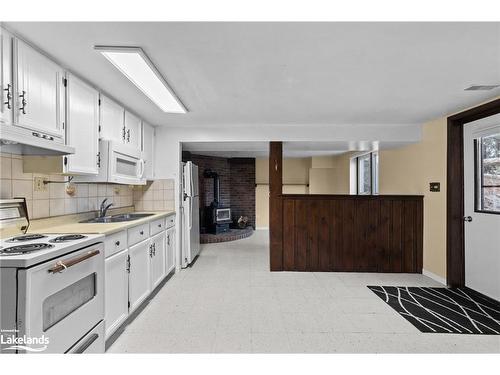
x: 468, y: 219
x: 128, y: 135
x: 124, y: 133
x: 23, y: 102
x: 8, y: 97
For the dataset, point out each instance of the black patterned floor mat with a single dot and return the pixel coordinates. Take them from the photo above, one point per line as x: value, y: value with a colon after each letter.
x: 443, y: 310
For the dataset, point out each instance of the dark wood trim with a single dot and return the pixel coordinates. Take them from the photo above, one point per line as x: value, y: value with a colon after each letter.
x: 455, y: 244
x: 276, y: 206
x: 351, y: 196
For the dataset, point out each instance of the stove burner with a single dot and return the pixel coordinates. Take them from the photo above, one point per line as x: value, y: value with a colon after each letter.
x: 67, y: 238
x: 26, y: 237
x: 25, y: 248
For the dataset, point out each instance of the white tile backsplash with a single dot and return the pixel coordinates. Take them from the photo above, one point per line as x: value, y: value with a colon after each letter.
x: 54, y: 201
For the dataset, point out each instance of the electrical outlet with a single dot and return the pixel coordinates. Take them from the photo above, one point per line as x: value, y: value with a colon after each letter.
x: 39, y: 184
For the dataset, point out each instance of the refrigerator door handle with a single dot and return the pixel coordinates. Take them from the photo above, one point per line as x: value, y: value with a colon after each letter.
x: 190, y: 213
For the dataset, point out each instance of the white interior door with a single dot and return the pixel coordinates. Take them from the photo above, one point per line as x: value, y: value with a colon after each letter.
x: 482, y: 205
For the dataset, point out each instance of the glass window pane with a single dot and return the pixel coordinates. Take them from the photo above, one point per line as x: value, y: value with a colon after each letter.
x: 489, y: 177
x: 364, y: 174
x: 61, y: 304
x: 375, y: 172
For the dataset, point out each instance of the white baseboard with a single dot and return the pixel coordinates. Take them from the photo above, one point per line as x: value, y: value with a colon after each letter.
x: 261, y: 228
x: 434, y: 277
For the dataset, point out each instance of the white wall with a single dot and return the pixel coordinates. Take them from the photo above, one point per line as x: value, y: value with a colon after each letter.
x: 168, y: 143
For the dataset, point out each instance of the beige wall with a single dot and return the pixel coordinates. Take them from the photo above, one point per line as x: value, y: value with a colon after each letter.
x: 330, y: 174
x: 409, y: 170
x: 295, y: 181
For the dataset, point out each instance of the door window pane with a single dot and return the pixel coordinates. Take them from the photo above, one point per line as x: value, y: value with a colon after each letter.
x: 488, y: 170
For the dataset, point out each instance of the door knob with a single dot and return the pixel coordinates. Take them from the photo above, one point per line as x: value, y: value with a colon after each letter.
x: 468, y: 218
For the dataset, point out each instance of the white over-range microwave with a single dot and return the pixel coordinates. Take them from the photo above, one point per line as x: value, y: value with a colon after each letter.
x: 119, y: 164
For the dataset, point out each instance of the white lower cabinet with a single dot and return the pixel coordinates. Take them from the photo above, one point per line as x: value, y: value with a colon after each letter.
x: 116, y: 291
x: 139, y: 279
x: 136, y: 263
x: 157, y: 259
x: 170, y: 250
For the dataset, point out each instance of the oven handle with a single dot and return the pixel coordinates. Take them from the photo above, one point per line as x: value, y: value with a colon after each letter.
x: 62, y: 265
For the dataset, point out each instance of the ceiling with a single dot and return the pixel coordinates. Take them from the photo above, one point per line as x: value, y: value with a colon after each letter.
x: 239, y: 74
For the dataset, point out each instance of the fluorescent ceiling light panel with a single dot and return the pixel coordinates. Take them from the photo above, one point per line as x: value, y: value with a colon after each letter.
x: 138, y: 68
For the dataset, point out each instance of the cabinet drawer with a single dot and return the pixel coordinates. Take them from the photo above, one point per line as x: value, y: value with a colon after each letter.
x: 170, y: 221
x: 114, y: 243
x: 138, y: 234
x: 157, y: 226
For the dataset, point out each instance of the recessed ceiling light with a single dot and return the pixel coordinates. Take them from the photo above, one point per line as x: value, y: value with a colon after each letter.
x: 138, y: 68
x: 481, y: 87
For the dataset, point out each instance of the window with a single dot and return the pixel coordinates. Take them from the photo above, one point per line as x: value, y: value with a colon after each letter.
x: 367, y: 174
x: 487, y: 171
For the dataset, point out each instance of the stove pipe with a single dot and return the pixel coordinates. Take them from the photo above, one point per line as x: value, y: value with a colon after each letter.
x: 211, y: 174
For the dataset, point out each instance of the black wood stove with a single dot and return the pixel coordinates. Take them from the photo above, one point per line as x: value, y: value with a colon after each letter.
x: 217, y: 217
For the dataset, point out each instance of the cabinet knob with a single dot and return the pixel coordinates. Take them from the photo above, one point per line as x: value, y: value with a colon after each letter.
x: 141, y: 232
x: 159, y: 225
x: 117, y: 243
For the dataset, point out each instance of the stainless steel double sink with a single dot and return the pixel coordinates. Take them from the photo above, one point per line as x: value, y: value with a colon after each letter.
x: 117, y: 218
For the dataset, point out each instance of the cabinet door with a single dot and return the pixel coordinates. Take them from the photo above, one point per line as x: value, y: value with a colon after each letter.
x: 39, y: 98
x: 170, y: 256
x: 133, y: 130
x: 148, y: 150
x: 6, y: 83
x: 116, y: 291
x: 157, y: 259
x: 139, y: 277
x: 82, y: 127
x: 111, y: 119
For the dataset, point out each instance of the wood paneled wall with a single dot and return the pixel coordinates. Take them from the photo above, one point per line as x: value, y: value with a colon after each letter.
x: 347, y: 233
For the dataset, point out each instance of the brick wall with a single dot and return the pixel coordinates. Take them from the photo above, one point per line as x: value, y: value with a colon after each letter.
x: 237, y: 184
x: 243, y: 188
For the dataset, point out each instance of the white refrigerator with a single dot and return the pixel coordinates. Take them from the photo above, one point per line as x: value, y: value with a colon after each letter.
x: 191, y: 214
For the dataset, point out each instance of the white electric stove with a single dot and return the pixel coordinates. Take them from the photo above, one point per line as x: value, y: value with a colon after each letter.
x: 52, y: 288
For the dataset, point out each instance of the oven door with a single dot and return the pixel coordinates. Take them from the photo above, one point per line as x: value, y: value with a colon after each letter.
x: 125, y: 166
x: 62, y: 299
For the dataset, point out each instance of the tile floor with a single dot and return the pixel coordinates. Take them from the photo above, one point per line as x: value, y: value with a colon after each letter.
x: 229, y: 302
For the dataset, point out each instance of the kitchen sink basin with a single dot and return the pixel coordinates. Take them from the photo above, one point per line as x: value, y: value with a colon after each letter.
x: 116, y: 218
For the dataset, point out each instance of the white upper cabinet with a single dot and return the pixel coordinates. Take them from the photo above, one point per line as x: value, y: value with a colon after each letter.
x: 148, y: 150
x: 6, y: 82
x: 82, y: 103
x: 111, y: 120
x: 39, y: 96
x: 133, y: 128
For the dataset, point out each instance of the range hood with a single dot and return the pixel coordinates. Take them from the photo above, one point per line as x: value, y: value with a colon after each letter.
x: 18, y: 141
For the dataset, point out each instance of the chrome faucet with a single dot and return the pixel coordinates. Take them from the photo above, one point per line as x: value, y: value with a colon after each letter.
x: 103, y: 208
